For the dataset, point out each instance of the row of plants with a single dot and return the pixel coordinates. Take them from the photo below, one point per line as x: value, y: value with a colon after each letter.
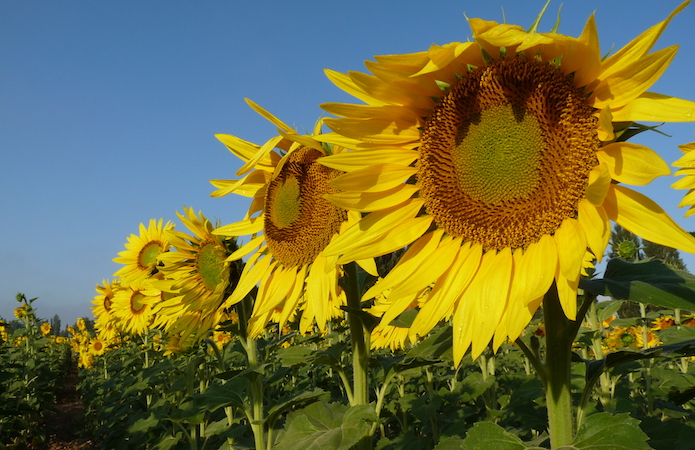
x: 33, y: 364
x: 637, y: 371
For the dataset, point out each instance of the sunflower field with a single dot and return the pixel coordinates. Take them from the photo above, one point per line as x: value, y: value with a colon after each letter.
x: 418, y: 272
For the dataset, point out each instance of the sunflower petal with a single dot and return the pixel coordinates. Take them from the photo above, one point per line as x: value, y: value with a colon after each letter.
x: 243, y: 227
x: 361, y: 159
x: 376, y: 178
x: 571, y: 245
x: 639, y: 214
x: 596, y: 225
x: 373, y: 201
x: 632, y: 164
x: 652, y: 107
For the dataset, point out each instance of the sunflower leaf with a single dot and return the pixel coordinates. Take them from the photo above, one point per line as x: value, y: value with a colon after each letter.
x: 485, y: 436
x: 603, y: 430
x: 649, y: 282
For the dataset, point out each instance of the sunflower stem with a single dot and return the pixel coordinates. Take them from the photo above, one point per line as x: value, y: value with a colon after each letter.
x: 558, y: 359
x: 359, y: 336
x: 257, y: 418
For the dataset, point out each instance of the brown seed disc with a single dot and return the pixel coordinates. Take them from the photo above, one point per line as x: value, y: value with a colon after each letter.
x: 506, y: 154
x: 299, y: 223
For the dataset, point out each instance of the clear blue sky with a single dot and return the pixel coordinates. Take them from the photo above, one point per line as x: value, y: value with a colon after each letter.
x: 108, y: 110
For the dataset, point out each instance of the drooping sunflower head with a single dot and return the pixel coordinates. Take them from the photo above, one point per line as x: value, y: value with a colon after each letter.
x: 133, y: 306
x: 101, y: 309
x: 291, y: 223
x: 298, y: 221
x: 142, y: 251
x: 196, y: 275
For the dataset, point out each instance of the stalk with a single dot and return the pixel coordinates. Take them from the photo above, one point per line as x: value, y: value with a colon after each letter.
x: 558, y: 369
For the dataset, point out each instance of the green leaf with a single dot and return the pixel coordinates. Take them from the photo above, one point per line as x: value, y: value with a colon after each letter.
x: 295, y: 355
x: 283, y: 405
x: 406, y: 319
x: 436, y: 346
x: 607, y: 432
x: 216, y: 396
x: 649, y: 282
x: 144, y: 424
x: 326, y: 426
x: 485, y: 436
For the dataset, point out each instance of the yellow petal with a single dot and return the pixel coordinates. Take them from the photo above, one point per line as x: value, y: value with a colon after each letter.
x: 515, y: 319
x: 431, y: 269
x: 534, y: 270
x: 596, y: 226
x: 404, y: 234
x: 599, y: 183
x: 307, y: 141
x: 481, y: 306
x: 247, y: 186
x: 632, y: 163
x: 567, y: 293
x: 263, y: 153
x: 247, y: 226
x: 381, y: 131
x: 651, y: 107
x: 571, y: 246
x: 373, y: 201
x: 372, y: 227
x: 369, y: 266
x: 249, y: 278
x: 631, y: 80
x: 379, y: 177
x: 246, y: 150
x: 639, y: 46
x: 448, y: 289
x: 274, y: 120
x: 355, y: 160
x: 642, y: 216
x: 408, y: 264
x: 344, y: 82
x: 605, y: 125
x: 245, y: 249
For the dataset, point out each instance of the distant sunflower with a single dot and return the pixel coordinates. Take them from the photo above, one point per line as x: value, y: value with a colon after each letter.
x: 101, y: 309
x: 196, y: 275
x: 140, y: 258
x: 291, y: 223
x: 686, y: 165
x: 45, y: 328
x: 132, y: 306
x: 499, y: 162
x: 97, y: 346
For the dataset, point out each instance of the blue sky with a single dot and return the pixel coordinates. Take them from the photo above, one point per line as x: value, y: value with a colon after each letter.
x: 108, y: 110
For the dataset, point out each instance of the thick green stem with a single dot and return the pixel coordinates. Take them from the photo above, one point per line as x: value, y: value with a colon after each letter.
x: 359, y: 337
x: 558, y: 358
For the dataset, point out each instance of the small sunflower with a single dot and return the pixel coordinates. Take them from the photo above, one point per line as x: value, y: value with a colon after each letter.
x: 196, y: 276
x: 140, y: 258
x: 291, y: 223
x: 101, y: 309
x: 686, y: 166
x: 132, y: 306
x: 45, y: 329
x: 499, y: 162
x: 97, y: 346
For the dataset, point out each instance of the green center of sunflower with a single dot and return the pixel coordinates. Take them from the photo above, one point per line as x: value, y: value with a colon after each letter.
x: 286, y: 207
x: 498, y: 158
x: 210, y: 264
x: 505, y: 156
x: 299, y: 223
x: 137, y: 303
x: 627, y: 338
x: 107, y: 303
x: 148, y: 254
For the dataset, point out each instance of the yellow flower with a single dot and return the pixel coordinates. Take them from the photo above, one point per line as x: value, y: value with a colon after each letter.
x: 630, y: 337
x: 45, y: 328
x: 663, y: 322
x: 290, y: 223
x: 102, y: 302
x: 20, y: 313
x: 97, y: 346
x: 140, y: 256
x: 133, y: 304
x: 196, y: 276
x: 686, y: 165
x: 499, y: 162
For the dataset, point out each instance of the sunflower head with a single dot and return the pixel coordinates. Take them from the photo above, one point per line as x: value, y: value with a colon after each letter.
x: 140, y: 258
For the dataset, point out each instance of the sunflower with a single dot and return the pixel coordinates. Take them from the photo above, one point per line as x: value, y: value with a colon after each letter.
x: 290, y: 223
x: 686, y: 166
x: 97, y: 346
x: 132, y: 306
x: 101, y: 309
x: 140, y: 258
x: 196, y: 275
x: 499, y: 162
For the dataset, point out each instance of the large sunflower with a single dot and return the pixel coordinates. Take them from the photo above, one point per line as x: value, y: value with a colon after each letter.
x: 196, y: 276
x: 290, y: 223
x: 140, y: 256
x: 514, y: 148
x: 686, y: 166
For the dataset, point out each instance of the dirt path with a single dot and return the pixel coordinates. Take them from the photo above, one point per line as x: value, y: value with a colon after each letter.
x: 64, y: 427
